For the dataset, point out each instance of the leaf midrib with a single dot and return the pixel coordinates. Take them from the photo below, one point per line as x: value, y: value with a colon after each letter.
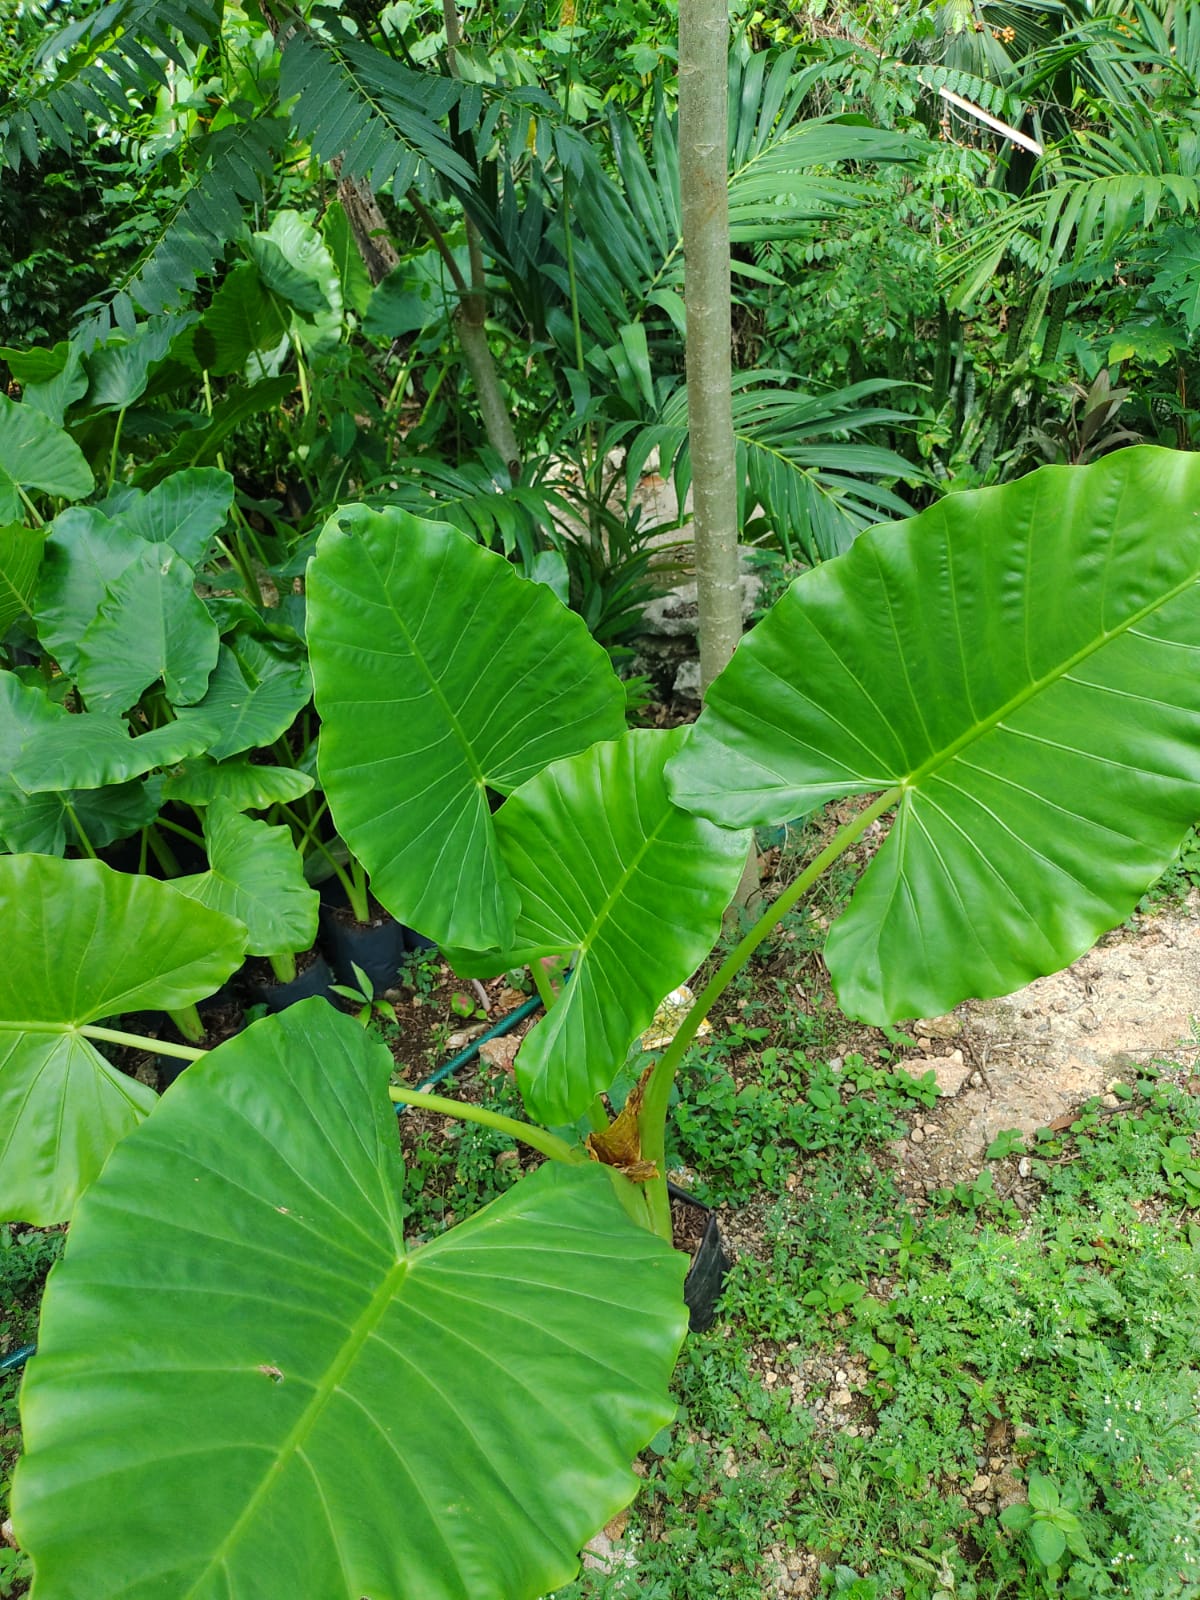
x: 370, y: 1318
x: 985, y: 725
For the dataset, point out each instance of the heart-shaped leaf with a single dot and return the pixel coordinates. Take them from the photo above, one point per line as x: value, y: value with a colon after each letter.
x: 20, y: 557
x: 244, y: 783
x: 255, y: 874
x: 86, y: 551
x: 440, y: 674
x: 35, y: 454
x: 84, y: 943
x: 246, y: 1385
x: 186, y: 511
x: 119, y: 371
x: 51, y: 380
x: 609, y: 868
x: 93, y: 750
x: 1015, y: 668
x: 151, y: 625
x: 254, y: 695
x: 46, y: 822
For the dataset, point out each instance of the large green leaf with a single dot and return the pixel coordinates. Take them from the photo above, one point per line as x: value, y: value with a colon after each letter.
x: 119, y: 370
x: 440, y: 674
x: 607, y: 867
x: 34, y: 454
x: 254, y: 695
x: 84, y: 943
x: 292, y: 252
x: 151, y: 625
x: 186, y: 510
x: 85, y: 552
x: 246, y: 1386
x: 246, y: 784
x: 20, y: 557
x: 245, y: 322
x: 47, y: 821
x: 1017, y: 666
x: 95, y: 749
x: 255, y: 874
x: 51, y: 380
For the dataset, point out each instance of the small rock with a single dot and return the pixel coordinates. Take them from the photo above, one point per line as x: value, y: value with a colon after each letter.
x: 917, y: 1136
x: 499, y: 1054
x: 1024, y: 1167
x: 7, y: 1534
x: 982, y: 1484
x: 976, y: 1080
x: 951, y: 1073
x: 460, y: 1040
x: 1111, y: 1101
x: 841, y: 1397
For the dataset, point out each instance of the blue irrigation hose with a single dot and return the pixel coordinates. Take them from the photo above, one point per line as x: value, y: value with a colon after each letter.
x: 17, y: 1358
x: 496, y: 1031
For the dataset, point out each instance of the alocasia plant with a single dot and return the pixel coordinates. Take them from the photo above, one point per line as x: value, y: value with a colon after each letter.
x: 245, y: 1382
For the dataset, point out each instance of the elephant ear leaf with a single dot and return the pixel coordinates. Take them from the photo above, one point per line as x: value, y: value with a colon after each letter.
x: 84, y: 943
x: 441, y: 675
x: 256, y: 875
x: 1015, y: 671
x: 281, y: 1399
x: 35, y: 454
x: 593, y: 843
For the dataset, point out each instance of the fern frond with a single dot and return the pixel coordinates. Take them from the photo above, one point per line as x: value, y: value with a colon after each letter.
x: 93, y: 65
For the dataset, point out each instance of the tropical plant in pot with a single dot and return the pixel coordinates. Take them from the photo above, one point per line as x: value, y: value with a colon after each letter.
x: 246, y: 1382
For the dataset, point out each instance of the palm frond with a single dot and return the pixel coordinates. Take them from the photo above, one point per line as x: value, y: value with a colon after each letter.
x: 798, y: 459
x: 784, y: 176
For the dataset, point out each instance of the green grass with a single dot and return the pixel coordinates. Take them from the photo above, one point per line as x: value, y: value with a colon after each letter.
x: 26, y: 1255
x: 1054, y: 1349
x: 1064, y: 1344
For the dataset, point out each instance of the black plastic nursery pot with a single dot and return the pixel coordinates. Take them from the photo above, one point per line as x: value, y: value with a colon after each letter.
x: 710, y: 1264
x: 314, y: 976
x: 378, y: 947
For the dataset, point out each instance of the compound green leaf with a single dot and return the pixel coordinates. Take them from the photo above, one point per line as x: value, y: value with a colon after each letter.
x: 244, y: 783
x: 85, y: 552
x: 608, y: 868
x: 255, y: 874
x: 439, y: 675
x: 254, y: 695
x: 84, y: 943
x: 1018, y: 667
x: 246, y: 1385
x: 35, y: 454
x: 20, y: 557
x: 151, y: 625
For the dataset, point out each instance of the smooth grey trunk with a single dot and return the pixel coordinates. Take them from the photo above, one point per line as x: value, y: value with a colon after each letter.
x: 704, y: 191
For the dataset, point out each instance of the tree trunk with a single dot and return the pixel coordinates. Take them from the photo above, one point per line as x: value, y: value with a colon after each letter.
x: 704, y: 189
x: 368, y: 226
